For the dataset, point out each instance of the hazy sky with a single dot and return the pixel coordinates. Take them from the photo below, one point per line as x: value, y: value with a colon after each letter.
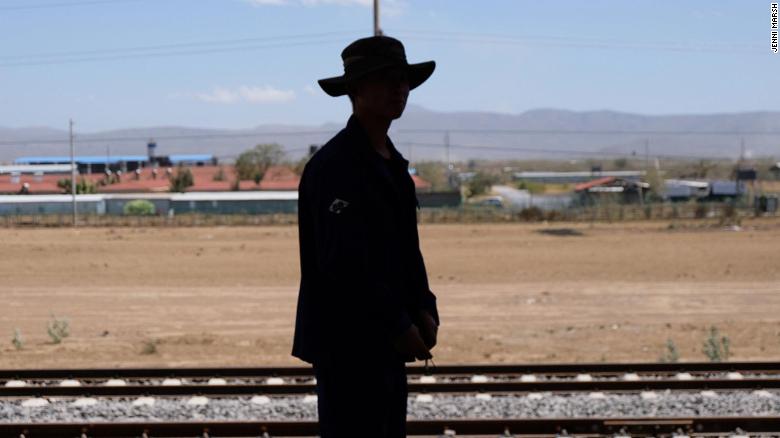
x: 240, y: 63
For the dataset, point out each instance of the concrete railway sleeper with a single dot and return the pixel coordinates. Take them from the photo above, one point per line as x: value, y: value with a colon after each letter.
x: 414, y: 387
x: 553, y: 427
x: 595, y: 369
x: 444, y: 379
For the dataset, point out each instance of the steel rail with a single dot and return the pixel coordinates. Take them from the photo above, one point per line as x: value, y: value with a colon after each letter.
x: 497, y: 427
x: 588, y: 368
x: 414, y: 387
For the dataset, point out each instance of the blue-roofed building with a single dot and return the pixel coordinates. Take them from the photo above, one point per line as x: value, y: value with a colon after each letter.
x: 87, y: 159
x: 125, y: 163
x: 92, y: 163
x: 192, y: 159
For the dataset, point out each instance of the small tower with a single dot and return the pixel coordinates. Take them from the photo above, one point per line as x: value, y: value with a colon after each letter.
x: 150, y: 149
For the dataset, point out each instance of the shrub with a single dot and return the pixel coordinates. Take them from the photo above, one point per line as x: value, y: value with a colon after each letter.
x: 531, y: 214
x: 716, y: 347
x: 700, y: 212
x: 554, y: 215
x: 58, y: 329
x: 671, y: 354
x: 18, y: 340
x: 181, y: 180
x: 150, y: 347
x: 139, y: 207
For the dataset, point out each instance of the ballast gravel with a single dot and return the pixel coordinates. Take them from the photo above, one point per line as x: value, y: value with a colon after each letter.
x: 438, y: 406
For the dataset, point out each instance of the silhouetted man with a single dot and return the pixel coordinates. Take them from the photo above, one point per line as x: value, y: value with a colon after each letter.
x: 364, y: 306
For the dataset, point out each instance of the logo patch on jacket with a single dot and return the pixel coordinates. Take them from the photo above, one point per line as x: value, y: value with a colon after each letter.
x: 338, y: 205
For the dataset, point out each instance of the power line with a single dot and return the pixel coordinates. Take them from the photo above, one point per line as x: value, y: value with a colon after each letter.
x: 552, y: 151
x: 170, y: 137
x: 243, y: 44
x: 400, y: 131
x: 576, y: 42
x: 574, y: 37
x: 585, y: 132
x: 582, y: 45
x: 64, y: 4
x: 123, y: 50
x: 172, y: 53
x: 481, y: 147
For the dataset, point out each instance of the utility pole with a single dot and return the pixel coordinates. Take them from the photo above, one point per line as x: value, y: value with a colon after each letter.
x: 740, y: 165
x: 647, y: 156
x: 447, y: 153
x: 377, y: 30
x: 73, y: 172
x: 447, y: 149
x: 742, y: 150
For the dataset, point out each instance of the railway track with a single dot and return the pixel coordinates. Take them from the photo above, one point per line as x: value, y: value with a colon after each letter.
x: 700, y: 426
x: 548, y: 369
x: 444, y: 379
x: 53, y: 384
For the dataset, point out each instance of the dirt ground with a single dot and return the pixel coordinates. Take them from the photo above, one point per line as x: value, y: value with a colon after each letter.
x: 507, y: 293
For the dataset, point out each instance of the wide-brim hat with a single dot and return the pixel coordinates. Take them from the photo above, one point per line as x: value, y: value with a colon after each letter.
x: 368, y: 55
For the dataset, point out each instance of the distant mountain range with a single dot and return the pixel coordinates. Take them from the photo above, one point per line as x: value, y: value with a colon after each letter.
x: 421, y: 135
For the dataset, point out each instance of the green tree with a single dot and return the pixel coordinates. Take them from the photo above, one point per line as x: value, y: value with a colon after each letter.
x: 253, y: 163
x: 532, y: 187
x: 480, y: 183
x: 220, y: 175
x: 139, y: 207
x: 299, y: 165
x: 82, y: 186
x: 656, y: 181
x: 435, y: 172
x: 181, y: 180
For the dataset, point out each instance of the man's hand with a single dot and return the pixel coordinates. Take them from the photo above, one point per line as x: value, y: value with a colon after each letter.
x: 411, y: 344
x: 428, y: 329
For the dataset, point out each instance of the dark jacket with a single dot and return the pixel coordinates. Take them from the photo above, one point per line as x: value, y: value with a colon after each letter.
x: 363, y: 278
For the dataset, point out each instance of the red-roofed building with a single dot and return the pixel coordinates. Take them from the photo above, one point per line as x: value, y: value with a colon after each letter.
x: 280, y: 178
x: 33, y: 187
x: 36, y: 184
x: 205, y: 179
x: 594, y: 183
x: 421, y: 185
x: 618, y: 189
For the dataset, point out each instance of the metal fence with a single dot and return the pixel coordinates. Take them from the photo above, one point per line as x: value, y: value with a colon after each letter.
x: 723, y: 213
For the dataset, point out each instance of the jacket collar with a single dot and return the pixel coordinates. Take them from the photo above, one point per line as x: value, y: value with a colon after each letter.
x: 361, y: 142
x: 372, y: 160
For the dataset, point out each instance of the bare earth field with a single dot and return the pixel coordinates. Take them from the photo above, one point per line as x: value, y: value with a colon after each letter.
x: 507, y: 293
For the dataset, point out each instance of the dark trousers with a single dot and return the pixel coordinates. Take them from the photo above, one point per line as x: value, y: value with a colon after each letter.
x: 362, y: 396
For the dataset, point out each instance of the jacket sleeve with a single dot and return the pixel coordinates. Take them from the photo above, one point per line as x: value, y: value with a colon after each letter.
x: 354, y: 268
x: 420, y: 279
